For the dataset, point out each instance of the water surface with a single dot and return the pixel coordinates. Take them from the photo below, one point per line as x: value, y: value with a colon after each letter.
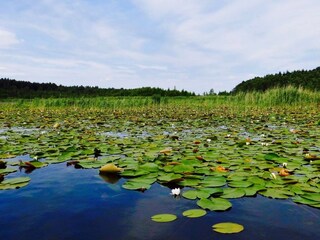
x: 61, y: 202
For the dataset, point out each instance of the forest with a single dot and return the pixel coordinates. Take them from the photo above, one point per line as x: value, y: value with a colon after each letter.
x: 10, y: 88
x: 307, y: 79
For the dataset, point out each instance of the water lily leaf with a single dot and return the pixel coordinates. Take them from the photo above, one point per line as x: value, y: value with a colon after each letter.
x: 182, y: 168
x: 192, y: 162
x: 135, y: 185
x: 134, y: 173
x: 164, y: 217
x: 240, y: 184
x: 38, y: 164
x: 194, y: 213
x: 189, y: 182
x: 7, y: 171
x: 90, y: 164
x: 214, y: 204
x: 301, y: 200
x: 168, y: 177
x: 14, y: 183
x: 190, y: 194
x: 312, y: 196
x: 213, y: 181
x: 233, y: 193
x: 227, y: 227
x: 276, y: 193
x: 253, y: 190
x: 275, y: 158
x: 151, y: 167
x: 257, y: 180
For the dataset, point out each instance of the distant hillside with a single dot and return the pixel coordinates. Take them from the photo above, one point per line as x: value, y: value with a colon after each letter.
x: 307, y: 79
x: 10, y: 88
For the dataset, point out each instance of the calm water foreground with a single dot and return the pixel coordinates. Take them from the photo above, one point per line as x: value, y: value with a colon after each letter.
x: 62, y: 202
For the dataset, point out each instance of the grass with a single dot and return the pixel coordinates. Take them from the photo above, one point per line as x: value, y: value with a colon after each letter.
x: 242, y: 102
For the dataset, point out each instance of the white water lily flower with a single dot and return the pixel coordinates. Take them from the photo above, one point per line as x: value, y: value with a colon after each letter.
x: 175, y: 192
x: 284, y: 164
x: 208, y: 140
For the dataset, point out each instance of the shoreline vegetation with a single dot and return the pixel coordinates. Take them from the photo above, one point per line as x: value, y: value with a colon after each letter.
x: 278, y: 97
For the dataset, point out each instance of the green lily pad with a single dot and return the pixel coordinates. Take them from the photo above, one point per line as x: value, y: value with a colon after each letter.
x: 276, y: 193
x: 161, y: 218
x: 233, y: 193
x: 168, y: 177
x: 312, y: 196
x: 7, y: 171
x: 227, y: 227
x: 38, y: 164
x: 14, y: 183
x: 182, y: 168
x: 136, y: 185
x: 214, y: 204
x: 213, y: 181
x: 240, y: 184
x: 194, y: 213
x: 190, y: 194
x: 187, y: 182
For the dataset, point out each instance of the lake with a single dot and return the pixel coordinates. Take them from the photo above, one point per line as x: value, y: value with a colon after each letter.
x: 62, y: 202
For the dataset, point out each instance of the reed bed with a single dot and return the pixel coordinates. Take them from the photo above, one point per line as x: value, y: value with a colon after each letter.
x: 241, y: 102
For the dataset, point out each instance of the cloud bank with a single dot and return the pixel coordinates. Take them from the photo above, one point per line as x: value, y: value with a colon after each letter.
x: 187, y: 44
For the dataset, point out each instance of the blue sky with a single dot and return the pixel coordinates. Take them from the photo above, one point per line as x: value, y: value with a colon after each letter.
x: 196, y: 45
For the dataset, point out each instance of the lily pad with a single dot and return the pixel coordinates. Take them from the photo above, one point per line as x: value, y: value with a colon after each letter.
x: 213, y: 181
x: 276, y: 193
x: 161, y: 218
x: 214, y: 204
x: 14, y: 183
x: 190, y: 194
x: 194, y: 213
x: 227, y: 227
x: 233, y: 193
x: 7, y: 171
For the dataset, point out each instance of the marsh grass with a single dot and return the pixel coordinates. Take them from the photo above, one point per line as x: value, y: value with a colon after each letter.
x: 241, y: 102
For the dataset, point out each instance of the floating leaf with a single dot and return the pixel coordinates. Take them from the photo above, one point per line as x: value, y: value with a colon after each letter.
x: 7, y: 171
x: 214, y: 204
x: 233, y: 193
x: 168, y: 177
x: 240, y: 184
x: 227, y: 227
x: 163, y: 218
x: 190, y: 194
x: 194, y: 213
x: 212, y: 181
x: 38, y: 164
x: 276, y: 193
x: 151, y: 167
x: 14, y: 183
x: 187, y: 182
x: 312, y: 196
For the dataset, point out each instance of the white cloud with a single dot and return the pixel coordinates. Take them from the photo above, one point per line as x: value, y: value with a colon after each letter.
x: 7, y: 39
x: 190, y: 44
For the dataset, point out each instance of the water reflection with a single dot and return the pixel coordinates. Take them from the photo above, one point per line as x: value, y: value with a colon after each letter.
x: 111, y: 178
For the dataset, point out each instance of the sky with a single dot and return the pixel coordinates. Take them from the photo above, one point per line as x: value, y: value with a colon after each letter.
x: 195, y: 45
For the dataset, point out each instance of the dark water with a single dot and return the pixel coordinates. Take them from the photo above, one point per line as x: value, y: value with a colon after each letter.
x: 65, y: 203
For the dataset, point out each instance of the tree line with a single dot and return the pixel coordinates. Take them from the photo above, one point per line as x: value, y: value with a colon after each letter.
x: 11, y: 88
x: 307, y: 79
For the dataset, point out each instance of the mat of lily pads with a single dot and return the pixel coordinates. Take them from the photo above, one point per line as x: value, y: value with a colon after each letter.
x: 218, y: 156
